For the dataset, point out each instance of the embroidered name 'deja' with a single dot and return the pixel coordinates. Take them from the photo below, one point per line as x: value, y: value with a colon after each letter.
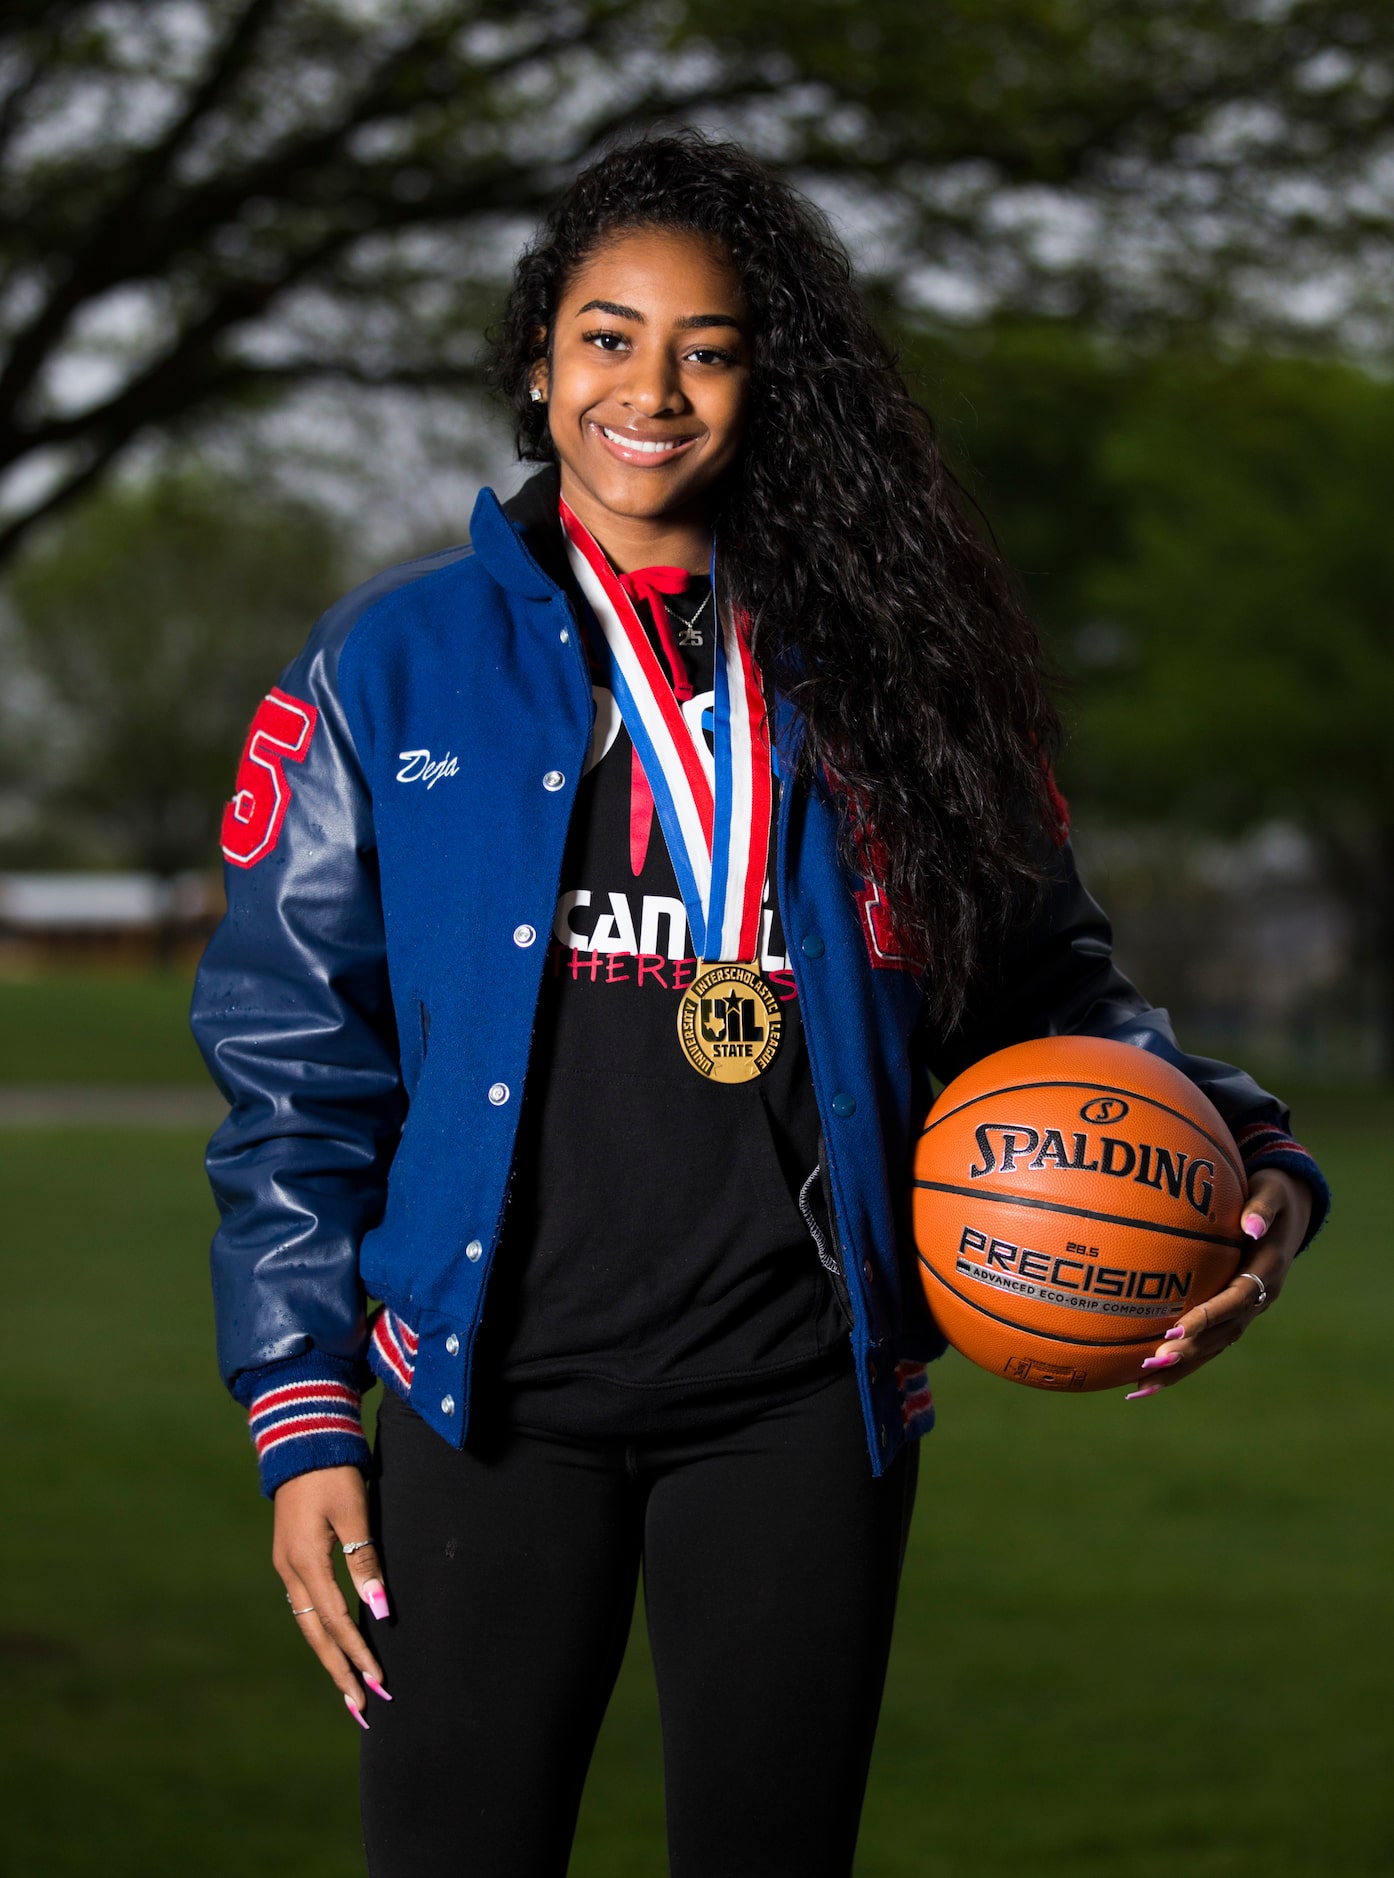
x: 418, y: 767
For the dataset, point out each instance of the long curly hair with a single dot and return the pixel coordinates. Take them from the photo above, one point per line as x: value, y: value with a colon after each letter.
x: 875, y: 606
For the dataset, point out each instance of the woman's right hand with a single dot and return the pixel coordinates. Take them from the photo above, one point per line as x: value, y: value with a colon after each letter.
x: 314, y: 1512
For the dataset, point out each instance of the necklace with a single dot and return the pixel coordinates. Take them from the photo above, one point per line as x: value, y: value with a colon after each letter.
x: 689, y: 636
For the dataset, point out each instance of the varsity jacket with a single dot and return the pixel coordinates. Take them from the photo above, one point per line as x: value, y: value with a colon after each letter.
x: 394, y: 848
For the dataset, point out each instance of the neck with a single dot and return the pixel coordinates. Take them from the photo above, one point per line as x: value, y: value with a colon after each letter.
x: 678, y: 540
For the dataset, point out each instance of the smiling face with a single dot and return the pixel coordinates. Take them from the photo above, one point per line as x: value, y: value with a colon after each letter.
x: 647, y: 382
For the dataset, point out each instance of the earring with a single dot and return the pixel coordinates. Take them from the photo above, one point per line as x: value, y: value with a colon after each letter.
x: 535, y: 394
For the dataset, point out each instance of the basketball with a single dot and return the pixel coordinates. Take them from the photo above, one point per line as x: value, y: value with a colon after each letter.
x: 1072, y: 1198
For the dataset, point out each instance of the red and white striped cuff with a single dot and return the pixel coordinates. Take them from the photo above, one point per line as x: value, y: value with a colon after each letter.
x: 916, y: 1399
x: 300, y: 1425
x: 392, y: 1351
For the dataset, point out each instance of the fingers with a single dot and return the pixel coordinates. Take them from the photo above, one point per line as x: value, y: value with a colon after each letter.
x: 1260, y: 1211
x: 1274, y: 1220
x: 1210, y: 1327
x: 315, y: 1512
x: 1277, y: 1212
x: 1206, y: 1332
x: 334, y: 1636
x: 367, y: 1578
x: 1197, y: 1339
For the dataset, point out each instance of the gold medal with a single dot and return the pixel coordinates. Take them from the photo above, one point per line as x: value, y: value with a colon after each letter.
x: 729, y: 1022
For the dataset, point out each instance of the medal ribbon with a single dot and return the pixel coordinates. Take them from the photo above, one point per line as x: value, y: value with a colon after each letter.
x: 714, y: 811
x: 656, y: 585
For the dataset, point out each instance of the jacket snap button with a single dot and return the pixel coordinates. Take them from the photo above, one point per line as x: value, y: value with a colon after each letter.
x: 553, y: 780
x: 811, y: 946
x: 447, y: 1405
x: 844, y: 1105
x: 452, y: 1345
x: 498, y: 1094
x: 524, y: 935
x: 474, y: 1251
x: 565, y: 636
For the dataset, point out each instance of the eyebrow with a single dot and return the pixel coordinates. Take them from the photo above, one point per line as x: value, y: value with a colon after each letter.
x: 690, y: 322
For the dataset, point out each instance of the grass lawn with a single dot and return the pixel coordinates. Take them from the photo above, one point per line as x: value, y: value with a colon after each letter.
x: 1135, y: 1639
x: 98, y: 1028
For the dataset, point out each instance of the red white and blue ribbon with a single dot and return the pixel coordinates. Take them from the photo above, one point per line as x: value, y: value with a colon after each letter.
x: 714, y: 810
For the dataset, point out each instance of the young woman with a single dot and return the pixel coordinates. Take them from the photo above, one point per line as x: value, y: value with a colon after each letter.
x: 601, y: 899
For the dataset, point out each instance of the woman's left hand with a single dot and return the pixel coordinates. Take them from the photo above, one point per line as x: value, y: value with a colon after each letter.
x: 1275, y: 1217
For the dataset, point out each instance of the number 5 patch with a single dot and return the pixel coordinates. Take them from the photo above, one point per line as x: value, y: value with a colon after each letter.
x: 280, y: 734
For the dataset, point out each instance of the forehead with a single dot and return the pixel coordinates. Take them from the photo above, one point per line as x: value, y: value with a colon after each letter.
x: 661, y: 273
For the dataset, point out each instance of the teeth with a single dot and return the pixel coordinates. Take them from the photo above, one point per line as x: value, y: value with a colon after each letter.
x: 633, y: 443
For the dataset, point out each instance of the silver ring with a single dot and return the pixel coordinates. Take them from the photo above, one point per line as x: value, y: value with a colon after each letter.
x: 1262, y: 1300
x: 305, y: 1613
x: 357, y: 1546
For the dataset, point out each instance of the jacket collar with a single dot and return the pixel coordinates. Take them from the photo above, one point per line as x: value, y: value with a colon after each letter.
x: 520, y: 541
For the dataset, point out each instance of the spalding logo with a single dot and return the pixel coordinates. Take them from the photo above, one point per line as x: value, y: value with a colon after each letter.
x: 1104, y: 1109
x: 1016, y: 1147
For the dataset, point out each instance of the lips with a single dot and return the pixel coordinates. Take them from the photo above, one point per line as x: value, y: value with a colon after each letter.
x: 639, y: 451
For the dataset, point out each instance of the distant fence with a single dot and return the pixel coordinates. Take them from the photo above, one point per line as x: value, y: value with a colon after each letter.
x: 1257, y: 957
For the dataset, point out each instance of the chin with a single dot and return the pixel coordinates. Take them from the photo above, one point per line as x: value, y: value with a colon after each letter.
x: 643, y: 495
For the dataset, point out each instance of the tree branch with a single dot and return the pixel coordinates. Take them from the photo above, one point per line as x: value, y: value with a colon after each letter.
x: 98, y: 462
x: 52, y: 18
x: 226, y: 65
x: 129, y: 245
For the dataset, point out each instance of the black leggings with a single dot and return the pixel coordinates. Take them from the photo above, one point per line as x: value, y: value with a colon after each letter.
x: 771, y: 1562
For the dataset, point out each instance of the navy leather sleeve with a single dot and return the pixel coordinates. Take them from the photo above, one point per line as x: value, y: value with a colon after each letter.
x: 293, y: 1014
x: 1057, y: 977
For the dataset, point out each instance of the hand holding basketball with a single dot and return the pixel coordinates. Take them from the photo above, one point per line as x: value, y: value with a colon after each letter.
x: 1283, y: 1206
x: 1083, y: 1219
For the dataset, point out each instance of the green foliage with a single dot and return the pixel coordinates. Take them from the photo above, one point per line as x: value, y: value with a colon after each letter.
x: 156, y: 617
x: 1125, y: 1628
x: 1254, y: 589
x: 1024, y: 412
x: 1206, y: 543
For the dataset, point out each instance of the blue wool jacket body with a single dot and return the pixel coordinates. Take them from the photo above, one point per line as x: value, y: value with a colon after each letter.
x: 367, y: 1004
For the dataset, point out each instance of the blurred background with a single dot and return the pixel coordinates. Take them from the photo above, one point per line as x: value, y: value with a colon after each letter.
x: 1138, y: 263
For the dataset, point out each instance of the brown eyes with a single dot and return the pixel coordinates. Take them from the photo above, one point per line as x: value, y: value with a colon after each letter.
x: 606, y: 340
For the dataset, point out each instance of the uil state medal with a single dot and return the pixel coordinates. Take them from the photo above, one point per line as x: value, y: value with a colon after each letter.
x: 714, y: 807
x: 729, y: 1023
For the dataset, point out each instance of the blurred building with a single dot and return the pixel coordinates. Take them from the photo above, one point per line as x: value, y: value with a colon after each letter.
x: 105, y: 919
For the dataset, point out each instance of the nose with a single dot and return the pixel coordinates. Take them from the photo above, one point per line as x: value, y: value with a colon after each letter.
x: 653, y: 386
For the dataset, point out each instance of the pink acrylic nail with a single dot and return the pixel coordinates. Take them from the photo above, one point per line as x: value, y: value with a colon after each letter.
x: 1150, y: 1388
x: 354, y: 1710
x: 1255, y: 1225
x: 1164, y: 1361
x: 377, y: 1688
x: 1170, y: 1336
x: 375, y: 1598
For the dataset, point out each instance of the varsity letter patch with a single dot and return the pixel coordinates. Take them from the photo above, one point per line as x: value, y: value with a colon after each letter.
x: 280, y: 734
x: 885, y: 947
